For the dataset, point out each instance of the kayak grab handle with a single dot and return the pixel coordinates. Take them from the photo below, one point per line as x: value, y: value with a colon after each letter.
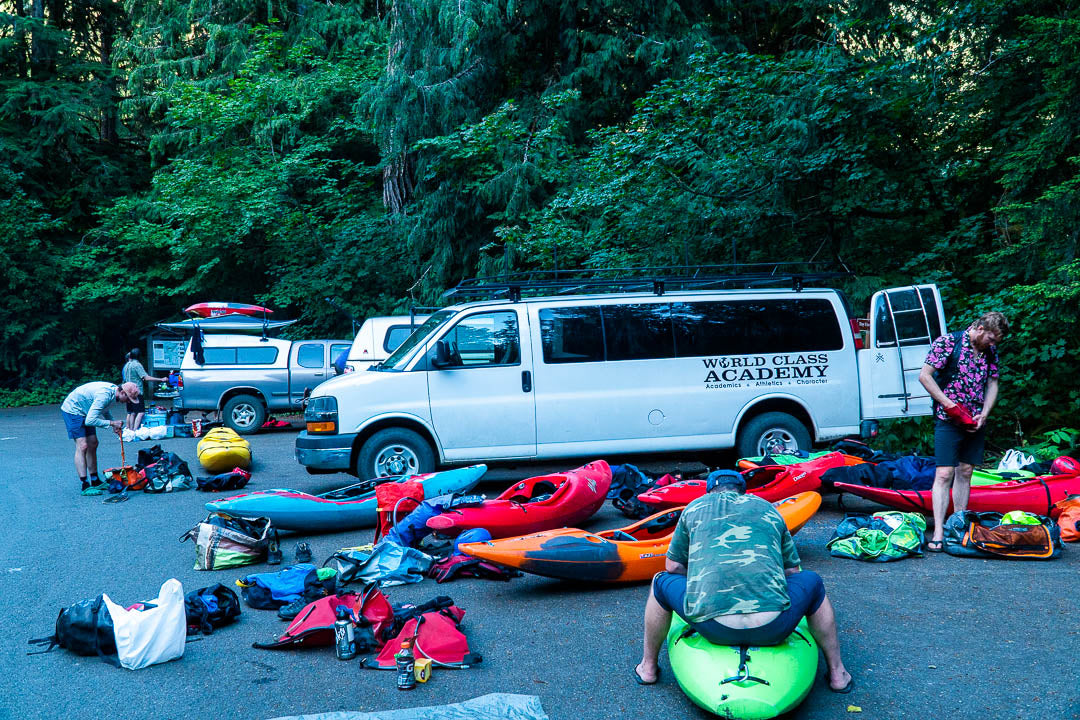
x: 744, y: 672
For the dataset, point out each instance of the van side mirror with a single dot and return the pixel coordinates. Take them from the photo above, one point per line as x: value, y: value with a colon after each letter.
x: 442, y: 355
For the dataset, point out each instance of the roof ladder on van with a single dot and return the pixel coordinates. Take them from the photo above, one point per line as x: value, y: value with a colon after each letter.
x: 896, y: 337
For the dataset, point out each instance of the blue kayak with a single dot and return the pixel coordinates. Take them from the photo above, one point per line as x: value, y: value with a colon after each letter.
x: 342, y: 509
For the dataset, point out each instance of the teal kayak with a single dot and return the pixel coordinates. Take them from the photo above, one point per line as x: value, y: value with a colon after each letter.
x: 342, y: 509
x: 751, y: 683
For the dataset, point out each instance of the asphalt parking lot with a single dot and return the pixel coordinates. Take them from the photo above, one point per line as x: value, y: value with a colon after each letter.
x: 939, y: 637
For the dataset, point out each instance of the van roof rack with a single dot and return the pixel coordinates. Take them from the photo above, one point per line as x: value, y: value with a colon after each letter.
x: 658, y: 280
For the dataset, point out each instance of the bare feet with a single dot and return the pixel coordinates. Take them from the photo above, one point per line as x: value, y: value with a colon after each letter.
x: 840, y: 681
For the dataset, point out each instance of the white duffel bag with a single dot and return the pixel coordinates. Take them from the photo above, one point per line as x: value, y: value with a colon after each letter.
x: 154, y: 635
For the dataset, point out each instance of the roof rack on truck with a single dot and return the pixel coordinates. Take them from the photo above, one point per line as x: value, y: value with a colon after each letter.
x: 657, y: 279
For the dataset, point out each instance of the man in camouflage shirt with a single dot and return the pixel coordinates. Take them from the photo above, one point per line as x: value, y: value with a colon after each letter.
x: 732, y: 572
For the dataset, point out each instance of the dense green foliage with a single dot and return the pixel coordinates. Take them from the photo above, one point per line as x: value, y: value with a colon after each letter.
x: 155, y: 153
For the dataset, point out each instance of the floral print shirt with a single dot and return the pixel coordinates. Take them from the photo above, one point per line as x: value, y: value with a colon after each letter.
x: 973, y: 371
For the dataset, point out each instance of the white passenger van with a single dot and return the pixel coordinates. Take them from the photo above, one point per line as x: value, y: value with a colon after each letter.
x: 597, y: 375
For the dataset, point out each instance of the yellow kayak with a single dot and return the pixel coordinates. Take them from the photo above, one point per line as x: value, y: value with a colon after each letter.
x: 222, y: 449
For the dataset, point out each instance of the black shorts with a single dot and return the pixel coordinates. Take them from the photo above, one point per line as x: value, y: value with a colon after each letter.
x: 953, y: 445
x: 137, y: 407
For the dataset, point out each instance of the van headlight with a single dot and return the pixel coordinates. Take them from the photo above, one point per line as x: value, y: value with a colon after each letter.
x: 321, y: 415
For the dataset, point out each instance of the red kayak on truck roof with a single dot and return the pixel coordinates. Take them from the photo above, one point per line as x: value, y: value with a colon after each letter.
x: 220, y: 309
x: 534, y: 504
x: 769, y: 482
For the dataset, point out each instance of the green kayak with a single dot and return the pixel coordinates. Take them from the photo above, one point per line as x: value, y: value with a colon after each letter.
x: 993, y: 477
x: 743, y: 682
x: 748, y: 462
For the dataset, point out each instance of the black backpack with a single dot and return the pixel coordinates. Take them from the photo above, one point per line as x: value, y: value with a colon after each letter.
x: 200, y: 616
x: 85, y: 628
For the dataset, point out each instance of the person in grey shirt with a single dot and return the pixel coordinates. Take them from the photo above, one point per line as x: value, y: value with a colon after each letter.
x: 134, y: 372
x: 85, y: 409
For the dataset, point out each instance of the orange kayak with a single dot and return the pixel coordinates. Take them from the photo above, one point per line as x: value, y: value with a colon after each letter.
x: 630, y: 554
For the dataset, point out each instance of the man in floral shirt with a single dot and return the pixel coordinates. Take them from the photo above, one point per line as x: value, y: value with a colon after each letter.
x: 961, y: 373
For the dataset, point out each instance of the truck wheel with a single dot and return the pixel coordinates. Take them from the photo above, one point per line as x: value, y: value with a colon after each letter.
x: 244, y: 413
x: 394, y: 451
x: 772, y: 433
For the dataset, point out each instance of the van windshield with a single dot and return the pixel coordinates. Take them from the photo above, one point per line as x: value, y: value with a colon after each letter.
x: 397, y: 359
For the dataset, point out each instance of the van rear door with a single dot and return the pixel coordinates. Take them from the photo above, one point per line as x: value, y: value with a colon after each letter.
x: 482, y: 403
x: 903, y: 323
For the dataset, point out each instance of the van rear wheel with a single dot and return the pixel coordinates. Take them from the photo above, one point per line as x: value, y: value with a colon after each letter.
x: 394, y: 451
x: 244, y: 413
x: 772, y: 433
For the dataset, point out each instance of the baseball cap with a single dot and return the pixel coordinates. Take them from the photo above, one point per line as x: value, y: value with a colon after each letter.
x: 727, y: 477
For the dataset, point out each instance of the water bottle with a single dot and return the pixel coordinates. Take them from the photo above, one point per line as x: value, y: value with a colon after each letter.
x: 344, y: 635
x: 404, y: 659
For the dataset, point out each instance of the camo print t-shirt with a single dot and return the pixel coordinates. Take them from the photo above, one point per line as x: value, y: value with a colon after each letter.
x: 735, y: 549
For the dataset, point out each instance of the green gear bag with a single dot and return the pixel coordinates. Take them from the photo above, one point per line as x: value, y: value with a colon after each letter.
x: 882, y: 537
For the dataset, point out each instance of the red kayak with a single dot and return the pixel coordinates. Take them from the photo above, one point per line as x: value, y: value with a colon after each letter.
x: 220, y: 309
x: 1037, y: 495
x: 770, y: 482
x: 538, y: 503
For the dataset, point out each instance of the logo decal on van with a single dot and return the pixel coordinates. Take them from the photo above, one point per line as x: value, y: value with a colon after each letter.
x: 764, y: 371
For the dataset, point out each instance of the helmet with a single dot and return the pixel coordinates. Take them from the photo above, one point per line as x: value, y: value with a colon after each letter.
x: 471, y: 535
x: 1065, y: 465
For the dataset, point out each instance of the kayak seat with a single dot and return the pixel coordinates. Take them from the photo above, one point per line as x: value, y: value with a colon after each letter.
x: 540, y: 498
x: 661, y: 523
x: 623, y: 536
x: 544, y: 489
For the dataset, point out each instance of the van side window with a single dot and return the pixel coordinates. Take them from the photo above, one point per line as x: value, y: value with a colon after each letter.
x: 256, y: 355
x: 396, y: 335
x: 572, y: 335
x: 310, y: 355
x: 755, y: 327
x: 485, y: 340
x: 914, y: 327
x: 638, y: 332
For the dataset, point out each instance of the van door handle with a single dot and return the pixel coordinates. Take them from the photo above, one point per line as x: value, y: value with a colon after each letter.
x: 526, y: 381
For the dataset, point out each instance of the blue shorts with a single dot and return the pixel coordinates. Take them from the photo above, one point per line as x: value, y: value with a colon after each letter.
x: 954, y: 445
x: 76, y: 426
x: 805, y: 589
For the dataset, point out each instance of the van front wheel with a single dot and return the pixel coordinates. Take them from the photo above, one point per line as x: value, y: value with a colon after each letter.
x: 772, y: 433
x: 394, y: 451
x: 244, y: 413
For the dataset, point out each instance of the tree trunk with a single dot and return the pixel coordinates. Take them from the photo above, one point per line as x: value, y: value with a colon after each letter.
x: 109, y: 108
x: 20, y: 41
x: 397, y: 176
x: 39, y: 50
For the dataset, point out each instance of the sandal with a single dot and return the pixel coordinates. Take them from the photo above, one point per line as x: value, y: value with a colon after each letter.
x: 640, y: 681
x: 935, y: 546
x: 273, y: 551
x: 842, y: 691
